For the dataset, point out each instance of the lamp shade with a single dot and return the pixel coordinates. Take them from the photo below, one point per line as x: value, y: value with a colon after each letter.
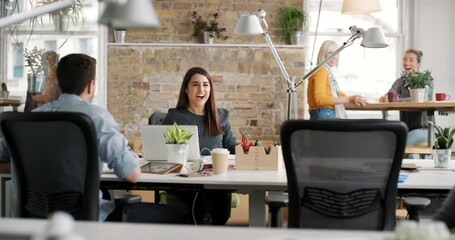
x: 132, y: 14
x: 360, y: 6
x: 248, y: 25
x: 374, y: 38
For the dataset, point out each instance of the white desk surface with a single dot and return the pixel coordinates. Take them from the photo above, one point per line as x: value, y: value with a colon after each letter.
x: 427, y: 178
x: 113, y: 231
x: 256, y: 183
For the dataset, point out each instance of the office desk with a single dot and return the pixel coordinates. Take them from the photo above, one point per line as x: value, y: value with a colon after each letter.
x: 257, y: 183
x: 114, y: 231
x: 428, y: 178
x: 254, y: 183
x: 442, y: 107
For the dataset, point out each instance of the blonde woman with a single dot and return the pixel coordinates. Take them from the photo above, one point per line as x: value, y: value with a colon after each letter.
x: 324, y: 96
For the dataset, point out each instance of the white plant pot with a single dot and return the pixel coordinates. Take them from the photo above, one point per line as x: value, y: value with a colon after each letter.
x: 417, y: 94
x: 178, y: 153
x: 120, y: 36
x: 35, y: 82
x: 441, y: 157
x: 297, y: 38
x: 208, y: 37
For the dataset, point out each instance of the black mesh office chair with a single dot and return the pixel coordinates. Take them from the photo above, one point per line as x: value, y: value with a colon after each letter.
x: 55, y: 155
x: 343, y: 174
x: 157, y: 118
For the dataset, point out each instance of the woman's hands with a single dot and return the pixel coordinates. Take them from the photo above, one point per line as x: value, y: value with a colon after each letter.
x: 358, y: 100
x: 383, y: 98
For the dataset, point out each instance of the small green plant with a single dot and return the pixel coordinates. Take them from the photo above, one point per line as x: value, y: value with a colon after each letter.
x: 175, y: 135
x: 291, y: 20
x: 416, y: 79
x: 201, y: 25
x: 443, y: 137
x: 33, y: 60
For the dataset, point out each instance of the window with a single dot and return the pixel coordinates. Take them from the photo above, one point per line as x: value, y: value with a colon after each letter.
x: 82, y: 37
x: 366, y: 71
x: 50, y: 45
x: 18, y: 60
x: 86, y: 45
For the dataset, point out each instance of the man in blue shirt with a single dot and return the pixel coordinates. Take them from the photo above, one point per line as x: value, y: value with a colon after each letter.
x: 76, y: 79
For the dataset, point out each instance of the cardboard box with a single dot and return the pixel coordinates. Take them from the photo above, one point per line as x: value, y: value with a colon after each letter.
x: 257, y: 159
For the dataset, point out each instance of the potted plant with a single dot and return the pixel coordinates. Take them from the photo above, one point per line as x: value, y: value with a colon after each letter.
x: 35, y: 77
x: 293, y: 22
x: 177, y: 141
x: 417, y: 82
x: 62, y: 17
x: 442, y: 148
x: 207, y: 30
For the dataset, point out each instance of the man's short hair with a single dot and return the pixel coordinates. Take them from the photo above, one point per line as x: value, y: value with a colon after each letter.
x: 74, y: 72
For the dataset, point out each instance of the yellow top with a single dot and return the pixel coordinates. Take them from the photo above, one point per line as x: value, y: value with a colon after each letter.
x: 319, y: 90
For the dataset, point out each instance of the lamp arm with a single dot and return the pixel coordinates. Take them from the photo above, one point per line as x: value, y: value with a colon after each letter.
x: 261, y: 15
x: 278, y: 61
x: 346, y: 44
x: 15, y: 18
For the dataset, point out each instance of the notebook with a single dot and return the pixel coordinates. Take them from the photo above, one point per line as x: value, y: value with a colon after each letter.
x: 154, y: 146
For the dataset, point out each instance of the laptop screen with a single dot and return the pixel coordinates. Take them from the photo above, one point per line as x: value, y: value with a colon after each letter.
x: 153, y: 142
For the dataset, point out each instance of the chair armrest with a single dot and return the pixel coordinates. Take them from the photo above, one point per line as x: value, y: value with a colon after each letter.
x: 414, y: 204
x: 127, y: 199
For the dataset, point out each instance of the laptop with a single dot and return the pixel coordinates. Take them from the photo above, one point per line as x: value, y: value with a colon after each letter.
x: 153, y: 142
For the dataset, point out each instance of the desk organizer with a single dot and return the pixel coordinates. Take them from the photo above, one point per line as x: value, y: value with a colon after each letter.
x: 257, y: 159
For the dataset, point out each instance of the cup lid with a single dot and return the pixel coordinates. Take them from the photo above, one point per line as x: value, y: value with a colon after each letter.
x: 219, y: 150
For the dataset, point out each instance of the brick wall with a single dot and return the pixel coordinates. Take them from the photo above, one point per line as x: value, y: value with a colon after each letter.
x: 248, y: 82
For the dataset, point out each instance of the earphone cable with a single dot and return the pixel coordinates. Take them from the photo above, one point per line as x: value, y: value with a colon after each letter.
x: 192, y: 208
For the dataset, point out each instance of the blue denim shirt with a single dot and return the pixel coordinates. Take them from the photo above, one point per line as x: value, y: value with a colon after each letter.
x: 112, y: 147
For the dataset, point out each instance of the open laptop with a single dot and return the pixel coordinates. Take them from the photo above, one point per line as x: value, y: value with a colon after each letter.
x: 153, y: 142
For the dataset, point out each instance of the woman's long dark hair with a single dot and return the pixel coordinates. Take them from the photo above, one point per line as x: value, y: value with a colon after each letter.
x: 211, y: 118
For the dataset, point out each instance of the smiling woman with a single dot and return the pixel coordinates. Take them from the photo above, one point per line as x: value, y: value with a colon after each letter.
x: 196, y: 106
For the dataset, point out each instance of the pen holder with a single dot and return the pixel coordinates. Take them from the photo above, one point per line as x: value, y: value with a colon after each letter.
x: 258, y: 159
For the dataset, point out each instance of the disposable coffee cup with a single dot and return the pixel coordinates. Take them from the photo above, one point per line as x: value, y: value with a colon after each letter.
x: 220, y: 158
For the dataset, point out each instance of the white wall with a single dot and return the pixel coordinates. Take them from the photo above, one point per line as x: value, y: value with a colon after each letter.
x: 434, y: 34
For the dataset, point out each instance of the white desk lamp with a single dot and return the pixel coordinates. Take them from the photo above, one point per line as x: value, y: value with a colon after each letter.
x: 252, y: 25
x: 18, y: 17
x: 372, y: 38
x: 122, y: 14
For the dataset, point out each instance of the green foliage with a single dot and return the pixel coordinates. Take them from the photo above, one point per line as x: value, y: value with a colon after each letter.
x: 291, y: 20
x: 175, y: 135
x: 201, y: 25
x: 33, y: 60
x: 443, y: 137
x: 74, y: 12
x: 416, y: 79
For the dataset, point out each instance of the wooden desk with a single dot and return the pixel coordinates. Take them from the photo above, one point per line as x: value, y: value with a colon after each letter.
x: 113, y: 231
x: 405, y: 106
x: 442, y: 107
x: 8, y: 102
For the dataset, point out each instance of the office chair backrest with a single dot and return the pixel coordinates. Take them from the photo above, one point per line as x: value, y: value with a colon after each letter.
x: 343, y: 174
x: 55, y: 156
x: 157, y: 118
